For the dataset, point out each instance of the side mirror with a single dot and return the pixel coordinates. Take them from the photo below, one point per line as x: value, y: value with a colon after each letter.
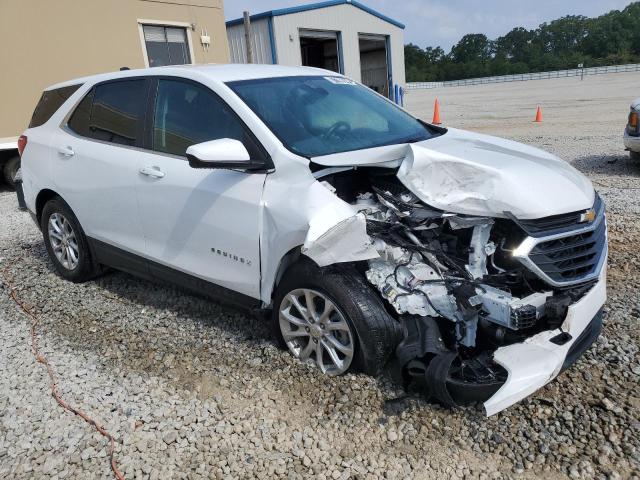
x: 222, y: 153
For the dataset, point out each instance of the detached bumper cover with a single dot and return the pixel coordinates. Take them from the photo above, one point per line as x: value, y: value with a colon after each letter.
x: 584, y: 341
x: 534, y: 363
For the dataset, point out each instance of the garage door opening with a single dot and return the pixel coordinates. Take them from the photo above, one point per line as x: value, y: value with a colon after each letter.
x: 320, y: 49
x: 374, y: 68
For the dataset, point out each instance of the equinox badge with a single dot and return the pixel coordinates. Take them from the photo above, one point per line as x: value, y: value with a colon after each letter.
x: 231, y: 256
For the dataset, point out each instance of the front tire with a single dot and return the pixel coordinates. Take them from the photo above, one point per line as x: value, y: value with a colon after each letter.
x: 333, y: 319
x: 66, y: 242
x: 634, y: 155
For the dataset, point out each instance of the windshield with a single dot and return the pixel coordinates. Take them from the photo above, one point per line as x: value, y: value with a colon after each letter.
x: 315, y: 116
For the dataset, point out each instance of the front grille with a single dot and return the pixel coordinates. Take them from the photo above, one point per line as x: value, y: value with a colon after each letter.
x: 567, y: 256
x: 556, y: 223
x: 570, y: 258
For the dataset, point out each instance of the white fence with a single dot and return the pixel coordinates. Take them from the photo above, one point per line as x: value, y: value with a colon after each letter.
x: 575, y: 72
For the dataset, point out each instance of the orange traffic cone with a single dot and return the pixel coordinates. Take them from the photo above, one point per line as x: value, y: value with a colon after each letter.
x: 538, y: 115
x: 436, y: 113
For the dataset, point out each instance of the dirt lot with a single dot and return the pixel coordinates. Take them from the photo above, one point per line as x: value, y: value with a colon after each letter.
x: 194, y: 390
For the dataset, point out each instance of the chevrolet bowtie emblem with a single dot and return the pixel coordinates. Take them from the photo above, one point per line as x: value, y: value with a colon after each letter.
x: 588, y: 216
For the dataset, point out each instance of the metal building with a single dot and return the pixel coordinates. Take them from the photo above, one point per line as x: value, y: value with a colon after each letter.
x: 341, y: 35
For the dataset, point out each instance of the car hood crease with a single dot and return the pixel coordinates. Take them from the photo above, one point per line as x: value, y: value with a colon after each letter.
x: 475, y: 174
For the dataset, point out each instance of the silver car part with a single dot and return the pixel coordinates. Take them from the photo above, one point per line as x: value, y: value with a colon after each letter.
x: 525, y: 251
x: 315, y: 331
x: 480, y: 247
x: 63, y: 241
x: 503, y: 309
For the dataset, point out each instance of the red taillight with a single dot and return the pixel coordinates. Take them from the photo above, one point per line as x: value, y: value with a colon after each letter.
x: 22, y: 142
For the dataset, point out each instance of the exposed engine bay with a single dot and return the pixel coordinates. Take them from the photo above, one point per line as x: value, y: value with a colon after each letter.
x: 454, y: 284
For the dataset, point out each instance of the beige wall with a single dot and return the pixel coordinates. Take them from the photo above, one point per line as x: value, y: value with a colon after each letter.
x: 48, y: 41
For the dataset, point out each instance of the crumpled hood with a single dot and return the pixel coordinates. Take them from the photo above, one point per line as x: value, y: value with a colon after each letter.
x: 475, y: 174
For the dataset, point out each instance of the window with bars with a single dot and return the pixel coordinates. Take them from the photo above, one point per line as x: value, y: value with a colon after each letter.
x: 166, y: 45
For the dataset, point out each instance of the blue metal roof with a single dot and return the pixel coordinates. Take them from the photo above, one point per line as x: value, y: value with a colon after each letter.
x: 315, y: 6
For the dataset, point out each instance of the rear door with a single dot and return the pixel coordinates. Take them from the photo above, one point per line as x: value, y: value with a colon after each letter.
x: 202, y: 222
x: 96, y: 157
x: 35, y: 159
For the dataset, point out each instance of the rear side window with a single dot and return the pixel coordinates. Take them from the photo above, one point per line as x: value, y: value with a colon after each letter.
x: 187, y: 114
x: 112, y: 112
x: 49, y: 103
x: 79, y: 121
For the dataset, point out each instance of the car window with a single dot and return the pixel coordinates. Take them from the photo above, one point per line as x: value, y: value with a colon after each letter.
x: 117, y: 115
x: 187, y: 113
x: 315, y: 116
x: 49, y: 103
x: 346, y: 109
x: 79, y: 121
x: 113, y: 112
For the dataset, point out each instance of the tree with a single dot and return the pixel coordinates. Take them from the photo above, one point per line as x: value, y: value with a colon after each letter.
x: 612, y: 38
x: 434, y: 54
x: 422, y: 65
x: 518, y: 45
x: 472, y: 47
x: 563, y: 35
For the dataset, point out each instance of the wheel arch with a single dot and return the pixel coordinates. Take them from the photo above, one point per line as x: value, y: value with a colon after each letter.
x: 42, y: 198
x: 289, y: 259
x: 87, y: 266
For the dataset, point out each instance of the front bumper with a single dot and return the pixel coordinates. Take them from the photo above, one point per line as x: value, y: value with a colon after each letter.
x: 535, y: 362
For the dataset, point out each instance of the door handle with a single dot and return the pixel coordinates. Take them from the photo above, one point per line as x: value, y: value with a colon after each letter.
x: 153, y: 171
x: 66, y: 151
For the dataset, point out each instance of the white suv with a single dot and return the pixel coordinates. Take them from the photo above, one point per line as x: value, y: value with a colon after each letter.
x: 473, y: 266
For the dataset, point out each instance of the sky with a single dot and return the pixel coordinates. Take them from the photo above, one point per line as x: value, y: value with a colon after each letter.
x: 444, y: 22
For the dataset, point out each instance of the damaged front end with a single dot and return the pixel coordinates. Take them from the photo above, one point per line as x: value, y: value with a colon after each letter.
x: 485, y: 302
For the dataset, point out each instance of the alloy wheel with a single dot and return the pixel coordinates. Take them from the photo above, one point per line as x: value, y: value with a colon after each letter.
x: 315, y: 331
x: 63, y: 241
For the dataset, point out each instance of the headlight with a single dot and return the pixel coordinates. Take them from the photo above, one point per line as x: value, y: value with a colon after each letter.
x: 632, y: 124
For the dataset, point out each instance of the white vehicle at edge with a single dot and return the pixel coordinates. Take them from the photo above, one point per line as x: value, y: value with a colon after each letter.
x: 472, y: 267
x: 631, y: 135
x: 9, y: 159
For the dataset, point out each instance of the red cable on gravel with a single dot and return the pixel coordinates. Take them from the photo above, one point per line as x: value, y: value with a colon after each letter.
x: 40, y: 358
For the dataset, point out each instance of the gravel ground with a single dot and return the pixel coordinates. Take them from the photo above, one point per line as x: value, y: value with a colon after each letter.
x: 194, y: 390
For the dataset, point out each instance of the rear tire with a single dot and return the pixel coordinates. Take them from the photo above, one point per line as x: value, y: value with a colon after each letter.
x: 634, y: 155
x: 66, y: 242
x: 10, y: 169
x: 373, y: 333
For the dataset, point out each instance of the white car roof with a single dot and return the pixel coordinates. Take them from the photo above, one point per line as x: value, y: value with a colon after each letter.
x: 216, y: 72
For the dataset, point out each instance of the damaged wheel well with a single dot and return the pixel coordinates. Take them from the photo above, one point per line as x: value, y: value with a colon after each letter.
x: 286, y: 262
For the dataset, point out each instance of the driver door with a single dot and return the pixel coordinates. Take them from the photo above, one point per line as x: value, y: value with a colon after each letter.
x: 201, y: 222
